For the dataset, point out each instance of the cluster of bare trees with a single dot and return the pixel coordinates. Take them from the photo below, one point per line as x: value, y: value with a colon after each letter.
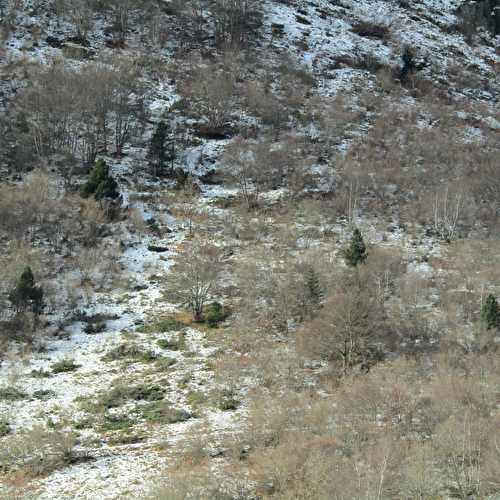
x: 81, y: 14
x: 259, y: 166
x: 41, y: 210
x: 81, y: 112
x: 235, y: 21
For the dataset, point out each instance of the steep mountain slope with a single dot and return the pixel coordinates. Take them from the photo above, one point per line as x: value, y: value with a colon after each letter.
x: 385, y: 111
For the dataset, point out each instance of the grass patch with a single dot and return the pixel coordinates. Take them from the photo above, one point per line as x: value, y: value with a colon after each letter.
x: 130, y: 352
x: 40, y: 373
x: 213, y: 315
x: 196, y: 399
x: 162, y: 412
x: 173, y: 344
x: 121, y: 393
x: 184, y: 381
x: 125, y: 437
x: 83, y: 423
x: 36, y: 452
x: 64, y: 366
x: 12, y: 394
x: 163, y: 325
x: 164, y: 363
x: 116, y: 423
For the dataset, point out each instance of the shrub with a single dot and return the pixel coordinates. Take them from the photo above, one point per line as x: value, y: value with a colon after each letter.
x: 4, y: 428
x: 130, y: 351
x: 215, y: 314
x: 162, y: 325
x: 168, y: 325
x: 196, y: 398
x: 12, y: 394
x: 173, y: 345
x: 44, y: 394
x: 125, y: 437
x: 168, y: 344
x: 162, y: 412
x: 164, y: 363
x: 372, y: 30
x: 227, y: 401
x: 37, y: 451
x: 64, y: 366
x: 40, y: 373
x: 121, y: 393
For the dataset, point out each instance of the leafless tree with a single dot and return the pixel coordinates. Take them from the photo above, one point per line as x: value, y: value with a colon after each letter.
x: 242, y: 166
x: 344, y: 330
x: 195, y: 276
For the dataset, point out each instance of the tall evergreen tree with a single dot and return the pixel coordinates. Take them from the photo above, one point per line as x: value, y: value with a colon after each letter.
x: 161, y: 149
x: 314, y: 289
x: 355, y: 253
x: 311, y: 293
x: 490, y: 312
x: 158, y: 148
x: 409, y: 64
x: 27, y: 294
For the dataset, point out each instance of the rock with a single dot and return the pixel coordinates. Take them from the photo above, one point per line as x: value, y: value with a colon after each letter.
x: 157, y: 249
x: 390, y: 189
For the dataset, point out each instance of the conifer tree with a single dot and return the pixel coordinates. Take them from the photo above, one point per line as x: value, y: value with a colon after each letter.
x: 355, y: 253
x: 158, y: 148
x: 27, y: 293
x: 100, y: 183
x: 490, y: 312
x: 409, y: 65
x: 313, y: 287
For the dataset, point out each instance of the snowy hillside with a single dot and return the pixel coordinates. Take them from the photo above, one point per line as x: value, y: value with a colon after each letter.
x: 250, y: 249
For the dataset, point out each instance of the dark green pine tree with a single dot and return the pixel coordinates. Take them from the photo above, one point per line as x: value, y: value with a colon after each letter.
x: 108, y: 188
x: 314, y: 290
x: 100, y: 183
x: 158, y: 154
x: 490, y: 312
x: 27, y: 293
x: 355, y: 253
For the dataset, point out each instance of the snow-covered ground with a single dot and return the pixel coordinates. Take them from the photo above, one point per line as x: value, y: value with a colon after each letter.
x: 121, y: 469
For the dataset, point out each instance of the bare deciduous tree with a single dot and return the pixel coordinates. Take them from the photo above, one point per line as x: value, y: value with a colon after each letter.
x: 344, y: 330
x: 195, y: 276
x: 243, y: 166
